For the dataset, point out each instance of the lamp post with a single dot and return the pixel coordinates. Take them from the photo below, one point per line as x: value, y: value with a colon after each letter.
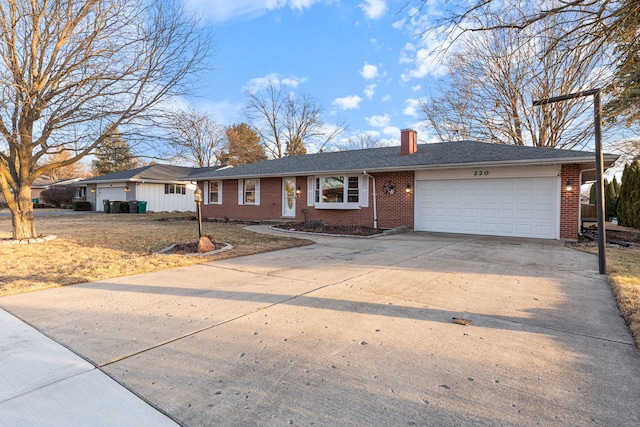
x: 602, y: 260
x: 197, y: 195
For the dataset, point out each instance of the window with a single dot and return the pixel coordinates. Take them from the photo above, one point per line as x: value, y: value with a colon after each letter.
x: 215, y: 192
x: 340, y: 192
x: 175, y: 189
x: 248, y: 191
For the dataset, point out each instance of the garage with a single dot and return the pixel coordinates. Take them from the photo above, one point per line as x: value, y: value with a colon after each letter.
x: 115, y: 192
x: 496, y: 202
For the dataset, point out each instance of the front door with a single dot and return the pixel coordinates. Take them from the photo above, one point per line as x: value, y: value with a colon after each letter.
x: 289, y: 197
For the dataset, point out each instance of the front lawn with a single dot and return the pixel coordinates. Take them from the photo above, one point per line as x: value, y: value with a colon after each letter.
x: 623, y: 267
x: 95, y: 246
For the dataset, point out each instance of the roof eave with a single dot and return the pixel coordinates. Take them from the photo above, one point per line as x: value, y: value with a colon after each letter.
x: 609, y: 160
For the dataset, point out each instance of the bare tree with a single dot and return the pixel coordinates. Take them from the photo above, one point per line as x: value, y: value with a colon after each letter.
x: 73, y: 72
x: 361, y: 142
x: 608, y: 26
x: 287, y: 123
x: 73, y: 170
x: 196, y: 137
x: 493, y: 79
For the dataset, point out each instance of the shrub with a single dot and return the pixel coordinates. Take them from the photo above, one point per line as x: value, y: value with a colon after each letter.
x: 81, y: 205
x: 611, y: 197
x: 629, y: 204
x: 58, y: 196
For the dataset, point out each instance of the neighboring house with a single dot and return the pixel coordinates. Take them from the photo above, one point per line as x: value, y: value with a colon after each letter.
x: 456, y: 187
x: 43, y: 182
x: 163, y: 187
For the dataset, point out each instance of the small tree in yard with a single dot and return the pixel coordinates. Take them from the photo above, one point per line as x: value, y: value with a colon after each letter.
x: 72, y: 72
x: 629, y: 204
x: 58, y: 196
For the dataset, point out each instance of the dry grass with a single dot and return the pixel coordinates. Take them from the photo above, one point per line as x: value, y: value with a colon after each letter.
x: 94, y: 246
x: 624, y: 277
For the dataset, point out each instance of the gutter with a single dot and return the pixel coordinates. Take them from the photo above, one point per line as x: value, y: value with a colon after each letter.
x: 375, y: 206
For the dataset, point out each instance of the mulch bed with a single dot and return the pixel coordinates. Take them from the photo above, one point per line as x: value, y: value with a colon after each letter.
x: 191, y: 247
x: 618, y: 234
x: 333, y: 229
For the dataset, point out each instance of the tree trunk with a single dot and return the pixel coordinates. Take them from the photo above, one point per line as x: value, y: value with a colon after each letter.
x: 22, y: 215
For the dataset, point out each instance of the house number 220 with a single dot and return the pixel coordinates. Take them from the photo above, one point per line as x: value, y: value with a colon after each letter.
x: 480, y: 173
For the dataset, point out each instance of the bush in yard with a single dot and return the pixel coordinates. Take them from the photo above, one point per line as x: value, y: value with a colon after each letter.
x: 58, y: 196
x: 629, y: 204
x: 81, y: 205
x: 611, y: 197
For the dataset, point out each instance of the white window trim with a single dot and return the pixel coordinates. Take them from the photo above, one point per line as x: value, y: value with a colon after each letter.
x: 241, y: 192
x: 208, y: 188
x: 363, y: 193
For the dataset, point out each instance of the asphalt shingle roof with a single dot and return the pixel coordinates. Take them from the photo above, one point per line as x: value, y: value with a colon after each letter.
x: 428, y: 156
x: 157, y: 172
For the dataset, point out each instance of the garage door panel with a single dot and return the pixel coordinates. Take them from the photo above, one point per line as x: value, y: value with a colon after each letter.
x: 519, y: 207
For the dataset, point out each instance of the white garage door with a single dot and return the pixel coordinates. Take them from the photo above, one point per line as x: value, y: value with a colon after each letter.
x: 518, y: 207
x: 109, y: 193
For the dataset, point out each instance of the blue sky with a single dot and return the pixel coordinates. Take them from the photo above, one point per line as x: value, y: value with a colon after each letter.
x: 361, y: 60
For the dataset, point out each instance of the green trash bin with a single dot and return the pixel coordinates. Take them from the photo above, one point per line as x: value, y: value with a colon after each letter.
x: 142, y: 207
x: 106, y: 206
x: 115, y: 206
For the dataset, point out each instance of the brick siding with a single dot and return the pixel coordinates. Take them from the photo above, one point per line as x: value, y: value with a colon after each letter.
x: 570, y: 202
x: 394, y: 210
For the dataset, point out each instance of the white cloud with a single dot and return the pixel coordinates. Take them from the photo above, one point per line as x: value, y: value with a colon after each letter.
x: 386, y: 98
x: 227, y: 10
x: 374, y: 9
x: 424, y: 56
x: 369, y: 72
x: 412, y: 106
x: 370, y: 90
x: 259, y: 83
x: 392, y: 131
x: 378, y: 121
x: 350, y: 102
x: 426, y: 62
x: 384, y: 124
x: 416, y: 88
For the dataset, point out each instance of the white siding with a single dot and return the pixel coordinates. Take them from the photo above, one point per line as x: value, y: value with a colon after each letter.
x: 157, y: 201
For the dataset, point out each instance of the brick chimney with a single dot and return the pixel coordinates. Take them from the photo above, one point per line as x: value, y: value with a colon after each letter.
x: 408, y: 141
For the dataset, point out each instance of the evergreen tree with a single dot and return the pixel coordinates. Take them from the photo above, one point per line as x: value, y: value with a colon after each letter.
x: 113, y: 155
x: 592, y: 194
x: 629, y: 205
x: 610, y: 199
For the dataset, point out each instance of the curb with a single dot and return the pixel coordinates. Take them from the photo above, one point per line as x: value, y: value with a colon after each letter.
x: 163, y: 251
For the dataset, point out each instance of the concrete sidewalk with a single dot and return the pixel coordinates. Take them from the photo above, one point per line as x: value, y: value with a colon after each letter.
x: 45, y: 384
x: 351, y: 332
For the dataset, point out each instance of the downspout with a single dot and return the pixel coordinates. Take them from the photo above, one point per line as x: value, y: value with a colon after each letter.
x: 375, y: 206
x: 579, y: 203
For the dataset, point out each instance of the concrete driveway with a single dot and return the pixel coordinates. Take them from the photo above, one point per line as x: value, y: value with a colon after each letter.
x: 358, y: 332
